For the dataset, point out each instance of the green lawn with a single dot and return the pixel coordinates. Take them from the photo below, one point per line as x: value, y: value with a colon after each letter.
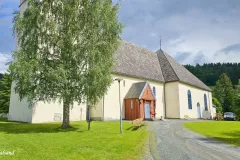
x: 48, y: 141
x: 227, y: 131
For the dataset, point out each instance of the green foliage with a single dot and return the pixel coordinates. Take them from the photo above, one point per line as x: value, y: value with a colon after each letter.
x: 224, y: 92
x: 66, y: 50
x: 5, y: 91
x: 209, y: 72
x: 236, y: 108
x: 217, y: 104
x: 237, y: 87
x: 224, y: 131
x: 48, y: 141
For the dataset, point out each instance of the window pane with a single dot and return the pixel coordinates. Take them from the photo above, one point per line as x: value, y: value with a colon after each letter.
x: 131, y: 105
x: 189, y: 100
x: 154, y: 91
x: 205, y: 102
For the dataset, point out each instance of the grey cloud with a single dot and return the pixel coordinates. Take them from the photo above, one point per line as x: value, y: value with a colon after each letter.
x: 193, y: 26
x: 230, y: 53
x: 232, y: 48
x: 201, y: 25
x: 200, y: 58
x: 181, y: 57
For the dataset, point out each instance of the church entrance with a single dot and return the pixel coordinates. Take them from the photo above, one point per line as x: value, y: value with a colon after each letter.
x: 198, y: 110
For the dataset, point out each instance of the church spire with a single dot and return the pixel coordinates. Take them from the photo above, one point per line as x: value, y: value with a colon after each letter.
x: 160, y: 43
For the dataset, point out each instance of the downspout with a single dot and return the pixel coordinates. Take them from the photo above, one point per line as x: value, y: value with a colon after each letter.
x: 210, y: 108
x: 103, y: 109
x: 165, y: 105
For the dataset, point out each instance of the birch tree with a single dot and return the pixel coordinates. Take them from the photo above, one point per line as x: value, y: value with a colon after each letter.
x: 66, y: 51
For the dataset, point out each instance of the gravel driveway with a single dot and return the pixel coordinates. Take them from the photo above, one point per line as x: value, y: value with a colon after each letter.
x: 169, y: 140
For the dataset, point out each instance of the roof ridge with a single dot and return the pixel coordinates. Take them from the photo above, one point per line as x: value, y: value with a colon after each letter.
x: 170, y: 65
x: 161, y: 69
x: 164, y: 64
x: 183, y: 74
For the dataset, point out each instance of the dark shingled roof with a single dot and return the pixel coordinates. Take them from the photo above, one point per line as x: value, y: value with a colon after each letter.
x: 167, y: 70
x: 173, y: 71
x: 132, y: 60
x: 135, y: 90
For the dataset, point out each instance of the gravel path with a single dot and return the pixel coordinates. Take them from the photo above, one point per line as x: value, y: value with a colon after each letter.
x: 169, y: 140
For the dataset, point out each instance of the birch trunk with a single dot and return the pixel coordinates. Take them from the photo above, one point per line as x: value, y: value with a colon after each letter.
x: 66, y: 110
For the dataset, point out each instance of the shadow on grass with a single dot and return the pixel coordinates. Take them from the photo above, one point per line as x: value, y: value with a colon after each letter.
x: 232, y: 138
x: 3, y: 120
x: 134, y: 128
x: 19, y: 128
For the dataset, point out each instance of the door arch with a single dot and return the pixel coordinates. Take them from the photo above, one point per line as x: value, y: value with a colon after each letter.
x: 198, y: 110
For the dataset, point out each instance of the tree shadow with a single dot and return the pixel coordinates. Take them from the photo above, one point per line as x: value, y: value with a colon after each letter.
x: 134, y: 128
x: 3, y: 120
x: 20, y: 128
x: 235, y: 134
x: 232, y: 138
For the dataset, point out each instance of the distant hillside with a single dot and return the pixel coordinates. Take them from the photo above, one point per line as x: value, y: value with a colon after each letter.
x: 210, y: 72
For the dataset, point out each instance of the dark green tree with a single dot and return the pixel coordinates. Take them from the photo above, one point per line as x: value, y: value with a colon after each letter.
x: 209, y: 72
x: 224, y: 92
x: 66, y: 51
x: 5, y: 91
x: 217, y: 104
x: 236, y: 108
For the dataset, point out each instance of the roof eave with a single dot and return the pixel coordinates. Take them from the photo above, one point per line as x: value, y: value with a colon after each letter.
x: 133, y: 76
x: 206, y: 89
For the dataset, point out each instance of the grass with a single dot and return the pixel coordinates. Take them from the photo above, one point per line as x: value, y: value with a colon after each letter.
x: 49, y: 141
x: 226, y: 131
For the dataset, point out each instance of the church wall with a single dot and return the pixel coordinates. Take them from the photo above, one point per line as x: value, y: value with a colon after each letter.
x: 19, y: 110
x: 53, y: 112
x: 172, y: 100
x: 96, y: 111
x: 111, y: 99
x: 41, y: 112
x: 197, y: 97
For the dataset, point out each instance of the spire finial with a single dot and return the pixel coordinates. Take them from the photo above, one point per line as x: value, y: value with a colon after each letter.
x: 160, y: 42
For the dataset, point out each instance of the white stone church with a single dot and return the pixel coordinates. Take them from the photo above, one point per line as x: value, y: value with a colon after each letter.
x: 153, y: 85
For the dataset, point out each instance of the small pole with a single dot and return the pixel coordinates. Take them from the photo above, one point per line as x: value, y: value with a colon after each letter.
x: 120, y: 107
x: 89, y: 125
x: 88, y: 117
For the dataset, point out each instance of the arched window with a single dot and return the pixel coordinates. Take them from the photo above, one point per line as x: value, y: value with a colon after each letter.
x: 154, y: 91
x: 205, y: 102
x: 131, y: 105
x: 189, y: 100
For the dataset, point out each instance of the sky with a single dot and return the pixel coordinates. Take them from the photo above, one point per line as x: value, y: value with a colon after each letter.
x: 192, y: 31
